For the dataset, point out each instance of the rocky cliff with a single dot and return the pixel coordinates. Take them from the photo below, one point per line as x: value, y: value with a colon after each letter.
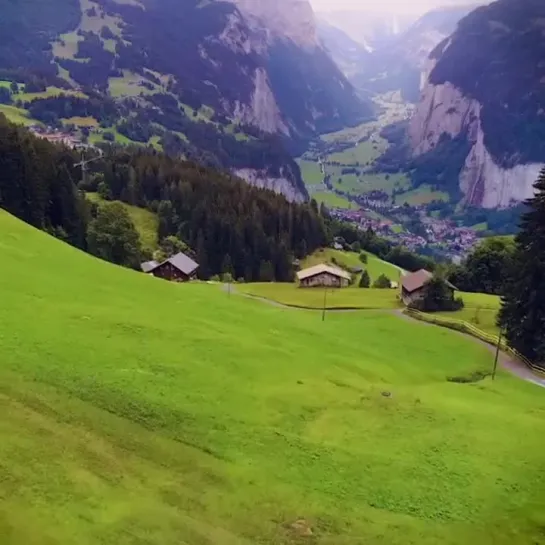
x: 297, y: 90
x: 485, y: 85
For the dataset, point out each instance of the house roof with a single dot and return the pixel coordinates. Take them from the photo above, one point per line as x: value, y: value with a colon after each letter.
x: 319, y: 269
x: 181, y: 261
x: 415, y: 281
x: 148, y: 266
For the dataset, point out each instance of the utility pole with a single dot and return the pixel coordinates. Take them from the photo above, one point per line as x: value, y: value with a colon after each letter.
x: 83, y: 165
x: 325, y: 304
x: 497, y: 355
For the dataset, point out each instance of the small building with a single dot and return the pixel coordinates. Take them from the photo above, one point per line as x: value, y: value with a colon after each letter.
x: 413, y: 286
x: 323, y: 276
x: 178, y: 268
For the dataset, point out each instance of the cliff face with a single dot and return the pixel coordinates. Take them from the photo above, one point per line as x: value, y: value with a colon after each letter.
x: 484, y: 84
x: 296, y: 88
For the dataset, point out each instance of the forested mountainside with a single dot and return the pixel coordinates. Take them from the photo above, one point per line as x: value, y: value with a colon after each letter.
x: 485, y: 88
x: 222, y: 83
x: 231, y: 227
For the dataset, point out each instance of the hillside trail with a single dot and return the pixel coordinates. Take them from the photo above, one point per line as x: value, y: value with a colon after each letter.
x: 514, y: 367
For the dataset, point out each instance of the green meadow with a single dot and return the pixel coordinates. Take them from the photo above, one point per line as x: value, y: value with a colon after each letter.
x: 374, y: 266
x: 145, y: 222
x: 134, y: 411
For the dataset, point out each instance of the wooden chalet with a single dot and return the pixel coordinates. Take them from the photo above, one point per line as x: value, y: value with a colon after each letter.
x: 178, y: 268
x: 413, y: 286
x: 323, y: 276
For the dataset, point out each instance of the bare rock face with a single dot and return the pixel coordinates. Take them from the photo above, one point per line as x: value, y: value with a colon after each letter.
x: 445, y: 109
x: 283, y: 19
x: 282, y: 184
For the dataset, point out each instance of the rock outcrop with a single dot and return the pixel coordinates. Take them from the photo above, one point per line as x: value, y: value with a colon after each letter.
x: 282, y: 184
x: 444, y: 109
x: 484, y: 85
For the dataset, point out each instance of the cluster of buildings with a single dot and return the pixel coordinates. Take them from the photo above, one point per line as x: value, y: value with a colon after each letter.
x: 443, y: 236
x: 56, y: 136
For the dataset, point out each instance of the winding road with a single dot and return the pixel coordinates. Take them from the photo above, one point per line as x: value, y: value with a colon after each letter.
x: 514, y: 367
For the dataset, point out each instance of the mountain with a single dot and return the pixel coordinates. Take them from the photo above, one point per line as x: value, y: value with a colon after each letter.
x: 484, y: 94
x: 349, y: 55
x: 401, y: 63
x: 371, y: 29
x: 221, y: 82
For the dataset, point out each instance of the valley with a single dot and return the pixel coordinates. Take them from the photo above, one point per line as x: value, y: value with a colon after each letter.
x: 341, y: 171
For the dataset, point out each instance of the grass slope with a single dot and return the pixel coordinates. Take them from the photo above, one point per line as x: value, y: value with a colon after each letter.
x: 375, y: 266
x: 138, y: 411
x: 146, y: 222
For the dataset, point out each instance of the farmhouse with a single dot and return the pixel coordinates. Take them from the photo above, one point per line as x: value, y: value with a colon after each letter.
x: 178, y: 268
x: 413, y: 286
x: 323, y: 275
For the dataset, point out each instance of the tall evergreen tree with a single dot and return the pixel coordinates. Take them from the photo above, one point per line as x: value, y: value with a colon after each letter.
x: 523, y: 309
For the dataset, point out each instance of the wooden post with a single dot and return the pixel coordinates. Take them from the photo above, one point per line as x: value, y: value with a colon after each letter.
x: 325, y: 303
x: 497, y: 355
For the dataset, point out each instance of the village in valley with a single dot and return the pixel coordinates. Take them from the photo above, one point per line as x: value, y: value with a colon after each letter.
x: 340, y: 171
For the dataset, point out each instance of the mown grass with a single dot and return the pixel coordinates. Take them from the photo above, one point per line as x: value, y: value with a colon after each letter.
x: 422, y: 195
x: 362, y: 153
x: 138, y: 411
x: 18, y: 116
x: 375, y: 266
x: 311, y: 172
x: 146, y: 222
x: 50, y: 92
x: 313, y: 298
x: 130, y: 85
x: 332, y: 200
x: 480, y: 310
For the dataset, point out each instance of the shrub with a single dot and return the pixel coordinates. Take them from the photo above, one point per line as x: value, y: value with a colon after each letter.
x: 382, y: 282
x: 365, y: 280
x: 364, y: 258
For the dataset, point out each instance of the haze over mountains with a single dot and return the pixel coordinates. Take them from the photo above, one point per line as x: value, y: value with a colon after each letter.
x: 246, y: 85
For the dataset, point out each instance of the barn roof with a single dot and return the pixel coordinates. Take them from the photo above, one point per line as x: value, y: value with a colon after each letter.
x: 415, y: 281
x: 148, y: 266
x: 181, y: 261
x: 319, y: 269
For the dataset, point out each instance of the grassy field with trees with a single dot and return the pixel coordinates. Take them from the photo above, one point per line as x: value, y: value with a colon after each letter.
x: 143, y: 411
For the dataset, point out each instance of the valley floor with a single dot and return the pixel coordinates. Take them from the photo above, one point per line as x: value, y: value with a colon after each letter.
x: 136, y: 411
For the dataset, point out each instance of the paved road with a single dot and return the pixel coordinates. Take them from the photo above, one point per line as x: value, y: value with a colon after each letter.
x: 513, y: 366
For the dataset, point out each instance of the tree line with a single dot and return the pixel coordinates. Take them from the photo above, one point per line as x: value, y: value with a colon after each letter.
x: 231, y: 226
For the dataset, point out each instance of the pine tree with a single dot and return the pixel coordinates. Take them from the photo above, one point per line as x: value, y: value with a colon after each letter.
x: 523, y: 309
x: 365, y: 280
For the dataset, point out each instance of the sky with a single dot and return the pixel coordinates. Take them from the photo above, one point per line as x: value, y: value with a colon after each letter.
x: 393, y: 6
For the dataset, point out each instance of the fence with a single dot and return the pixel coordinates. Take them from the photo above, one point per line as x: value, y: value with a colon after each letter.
x: 470, y: 329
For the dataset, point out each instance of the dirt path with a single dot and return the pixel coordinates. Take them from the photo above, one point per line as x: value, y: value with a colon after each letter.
x: 513, y: 366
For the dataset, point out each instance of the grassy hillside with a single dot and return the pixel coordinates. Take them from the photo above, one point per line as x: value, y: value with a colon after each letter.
x: 375, y: 266
x: 146, y: 222
x: 137, y: 411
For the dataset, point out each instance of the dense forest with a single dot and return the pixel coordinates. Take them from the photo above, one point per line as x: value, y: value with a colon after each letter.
x: 230, y: 226
x: 36, y: 184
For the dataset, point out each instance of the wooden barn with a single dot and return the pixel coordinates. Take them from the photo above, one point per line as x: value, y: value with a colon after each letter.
x: 323, y: 276
x: 178, y: 268
x: 413, y: 286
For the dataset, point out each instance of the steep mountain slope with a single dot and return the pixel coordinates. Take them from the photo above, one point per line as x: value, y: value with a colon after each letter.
x: 349, y: 55
x: 485, y: 88
x: 401, y: 63
x: 233, y: 72
x: 372, y: 29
